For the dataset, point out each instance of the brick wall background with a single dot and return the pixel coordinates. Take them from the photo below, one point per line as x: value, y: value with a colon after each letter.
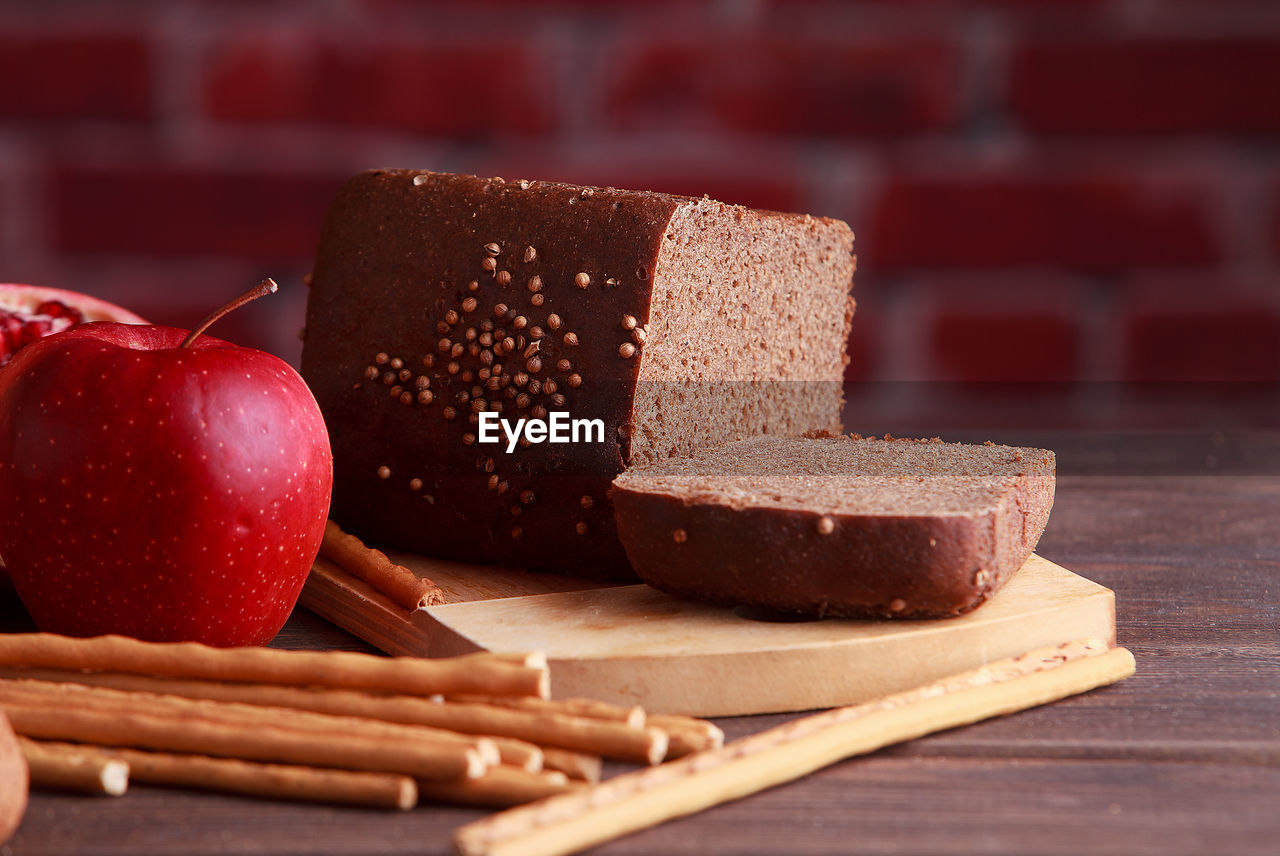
x: 1066, y: 199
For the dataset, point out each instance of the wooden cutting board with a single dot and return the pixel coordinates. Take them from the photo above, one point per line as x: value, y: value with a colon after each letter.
x: 631, y: 644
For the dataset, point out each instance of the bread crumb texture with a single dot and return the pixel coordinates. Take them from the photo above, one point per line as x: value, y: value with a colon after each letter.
x: 846, y: 475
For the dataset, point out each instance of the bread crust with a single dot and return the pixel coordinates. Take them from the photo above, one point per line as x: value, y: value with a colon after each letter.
x: 398, y: 252
x: 821, y: 563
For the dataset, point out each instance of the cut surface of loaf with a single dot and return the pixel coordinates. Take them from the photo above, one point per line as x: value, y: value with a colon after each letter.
x: 837, y: 526
x: 675, y: 321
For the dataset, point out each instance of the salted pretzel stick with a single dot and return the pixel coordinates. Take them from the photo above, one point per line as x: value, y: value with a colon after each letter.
x: 208, y: 737
x: 275, y: 781
x: 244, y: 716
x: 479, y: 673
x: 396, y: 581
x: 69, y: 767
x: 545, y: 726
x: 578, y: 766
x: 590, y: 708
x: 688, y: 735
x: 633, y: 801
x: 499, y: 787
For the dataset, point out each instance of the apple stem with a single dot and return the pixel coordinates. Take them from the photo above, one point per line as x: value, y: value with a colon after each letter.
x: 267, y: 286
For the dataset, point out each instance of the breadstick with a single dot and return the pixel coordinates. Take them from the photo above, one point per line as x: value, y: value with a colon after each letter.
x: 688, y: 735
x: 578, y: 766
x: 470, y: 673
x: 245, y: 716
x: 633, y: 801
x: 276, y: 781
x: 633, y: 716
x: 68, y: 767
x: 208, y: 737
x: 396, y: 581
x: 545, y: 728
x: 518, y: 753
x: 547, y: 725
x: 499, y: 787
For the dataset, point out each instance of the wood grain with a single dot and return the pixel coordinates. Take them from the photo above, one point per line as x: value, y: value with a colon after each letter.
x: 1179, y: 760
x: 631, y: 644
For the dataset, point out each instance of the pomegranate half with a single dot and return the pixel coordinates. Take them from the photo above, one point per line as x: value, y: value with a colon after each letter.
x: 30, y: 312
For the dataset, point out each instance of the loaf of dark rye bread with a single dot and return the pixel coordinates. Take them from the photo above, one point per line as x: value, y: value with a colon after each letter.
x: 837, y: 526
x: 676, y: 321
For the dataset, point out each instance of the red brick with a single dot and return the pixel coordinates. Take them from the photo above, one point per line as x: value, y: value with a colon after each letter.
x: 773, y: 193
x: 1146, y: 86
x: 1275, y: 221
x: 177, y: 210
x: 1186, y: 344
x: 480, y: 90
x: 1014, y: 5
x: 380, y: 5
x: 1006, y: 347
x: 1069, y: 5
x: 742, y: 181
x: 787, y: 86
x: 75, y: 75
x: 148, y: 287
x: 1094, y: 222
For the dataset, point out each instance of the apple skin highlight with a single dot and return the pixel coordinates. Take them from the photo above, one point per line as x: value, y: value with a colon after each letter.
x: 162, y: 493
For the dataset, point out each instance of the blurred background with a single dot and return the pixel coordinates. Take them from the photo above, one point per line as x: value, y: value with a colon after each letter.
x: 1067, y: 211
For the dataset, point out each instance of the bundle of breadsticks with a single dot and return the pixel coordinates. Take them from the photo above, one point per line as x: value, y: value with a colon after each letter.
x: 328, y: 726
x: 339, y: 727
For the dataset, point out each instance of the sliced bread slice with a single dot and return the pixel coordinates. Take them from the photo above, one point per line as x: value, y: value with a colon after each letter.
x: 837, y: 526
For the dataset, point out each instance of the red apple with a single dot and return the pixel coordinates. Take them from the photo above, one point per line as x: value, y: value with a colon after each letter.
x: 30, y: 312
x: 158, y: 484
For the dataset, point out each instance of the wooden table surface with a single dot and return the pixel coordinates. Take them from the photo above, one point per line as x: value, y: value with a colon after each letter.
x: 1182, y: 758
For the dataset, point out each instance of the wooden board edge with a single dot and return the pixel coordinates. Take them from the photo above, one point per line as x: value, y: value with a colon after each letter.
x: 1092, y: 615
x: 361, y: 610
x: 370, y: 615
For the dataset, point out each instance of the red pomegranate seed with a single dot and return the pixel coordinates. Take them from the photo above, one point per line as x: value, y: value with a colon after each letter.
x: 36, y: 328
x: 58, y: 309
x: 10, y: 335
x: 17, y: 330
